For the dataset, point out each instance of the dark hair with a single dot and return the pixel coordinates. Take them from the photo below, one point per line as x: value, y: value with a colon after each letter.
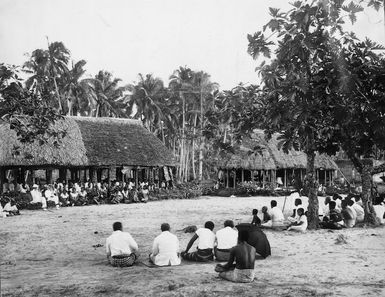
x: 264, y: 208
x: 229, y: 223
x: 273, y: 203
x: 165, y: 227
x: 209, y: 225
x: 301, y: 210
x: 332, y: 205
x: 357, y: 198
x: 298, y: 201
x: 117, y: 226
x: 328, y: 199
x: 255, y: 211
x: 243, y: 235
x: 350, y: 202
x: 344, y: 203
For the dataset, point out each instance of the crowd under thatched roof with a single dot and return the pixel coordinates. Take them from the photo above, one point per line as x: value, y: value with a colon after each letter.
x: 88, y: 142
x: 255, y: 153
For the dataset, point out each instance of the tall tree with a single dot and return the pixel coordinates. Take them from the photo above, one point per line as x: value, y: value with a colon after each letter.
x: 107, y: 96
x: 47, y: 67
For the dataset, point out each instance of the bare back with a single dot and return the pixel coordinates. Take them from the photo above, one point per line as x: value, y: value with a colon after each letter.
x: 244, y: 256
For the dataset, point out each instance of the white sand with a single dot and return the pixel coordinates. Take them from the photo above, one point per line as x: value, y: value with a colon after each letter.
x: 51, y: 254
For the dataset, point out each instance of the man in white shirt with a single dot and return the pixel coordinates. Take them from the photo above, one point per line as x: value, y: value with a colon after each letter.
x: 37, y: 197
x: 294, y: 217
x: 205, y: 248
x: 121, y: 248
x: 301, y: 224
x: 165, y: 248
x: 225, y: 238
x: 276, y: 215
x: 358, y: 209
x: 50, y: 196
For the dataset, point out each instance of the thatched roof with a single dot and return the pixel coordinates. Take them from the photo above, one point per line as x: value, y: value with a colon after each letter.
x: 89, y: 142
x: 269, y: 156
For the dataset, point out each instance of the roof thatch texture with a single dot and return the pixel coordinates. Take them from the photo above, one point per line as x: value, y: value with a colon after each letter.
x: 269, y: 156
x: 89, y: 142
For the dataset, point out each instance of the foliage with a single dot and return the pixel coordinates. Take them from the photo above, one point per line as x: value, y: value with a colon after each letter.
x: 27, y: 112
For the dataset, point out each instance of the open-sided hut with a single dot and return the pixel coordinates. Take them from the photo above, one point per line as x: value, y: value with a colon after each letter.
x: 263, y: 161
x: 93, y: 148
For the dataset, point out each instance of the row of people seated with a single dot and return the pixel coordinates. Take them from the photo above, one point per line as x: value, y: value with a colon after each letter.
x: 227, y: 245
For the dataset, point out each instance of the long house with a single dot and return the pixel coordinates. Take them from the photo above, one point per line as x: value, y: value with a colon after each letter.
x: 262, y: 161
x: 93, y: 149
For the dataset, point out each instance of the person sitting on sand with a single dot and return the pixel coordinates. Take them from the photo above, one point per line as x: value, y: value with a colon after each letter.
x: 165, y: 248
x: 325, y: 209
x: 334, y: 220
x: 358, y: 209
x: 294, y: 217
x: 225, y: 239
x: 276, y: 215
x: 37, y: 197
x: 121, y: 248
x: 266, y: 215
x: 379, y: 209
x: 256, y: 220
x: 348, y: 214
x: 244, y: 256
x: 301, y: 223
x: 338, y: 200
x: 10, y: 208
x: 205, y: 247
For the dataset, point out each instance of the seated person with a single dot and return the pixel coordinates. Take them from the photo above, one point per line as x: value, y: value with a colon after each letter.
x: 121, y: 248
x: 205, y: 247
x: 348, y: 214
x: 225, y: 238
x: 244, y: 256
x: 276, y: 215
x: 325, y: 209
x: 266, y: 215
x: 50, y: 196
x: 338, y: 200
x: 358, y: 209
x: 82, y: 198
x: 294, y: 217
x: 37, y: 197
x: 379, y: 209
x: 334, y: 220
x: 301, y: 223
x: 165, y: 248
x: 64, y: 198
x: 256, y: 220
x: 10, y: 208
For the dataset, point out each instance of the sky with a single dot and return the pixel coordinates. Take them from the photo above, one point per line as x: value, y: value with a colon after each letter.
x: 127, y: 37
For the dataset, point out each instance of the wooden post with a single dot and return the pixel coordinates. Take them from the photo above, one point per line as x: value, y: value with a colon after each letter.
x: 243, y: 176
x: 136, y: 177
x: 263, y: 179
x: 325, y: 181
x: 109, y: 176
x: 227, y: 178
x: 300, y: 174
x: 2, y: 175
x: 284, y: 178
x: 48, y: 176
x: 33, y: 176
x: 235, y: 178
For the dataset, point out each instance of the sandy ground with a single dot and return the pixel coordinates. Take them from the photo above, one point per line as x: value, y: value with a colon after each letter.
x: 51, y: 254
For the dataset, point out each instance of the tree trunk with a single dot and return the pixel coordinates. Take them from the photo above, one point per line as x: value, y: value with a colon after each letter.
x: 200, y: 174
x: 311, y: 186
x: 366, y: 178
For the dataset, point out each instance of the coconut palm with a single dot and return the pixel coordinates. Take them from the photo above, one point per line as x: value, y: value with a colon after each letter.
x: 105, y: 95
x: 47, y: 68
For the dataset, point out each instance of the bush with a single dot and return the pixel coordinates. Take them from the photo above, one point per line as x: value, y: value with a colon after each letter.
x: 188, y: 190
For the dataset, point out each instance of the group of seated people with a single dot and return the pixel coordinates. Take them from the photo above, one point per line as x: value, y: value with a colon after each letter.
x: 75, y: 194
x: 226, y: 245
x: 275, y: 219
x: 339, y: 212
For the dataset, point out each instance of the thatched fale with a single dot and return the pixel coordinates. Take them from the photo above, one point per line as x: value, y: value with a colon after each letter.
x: 89, y: 142
x: 269, y: 156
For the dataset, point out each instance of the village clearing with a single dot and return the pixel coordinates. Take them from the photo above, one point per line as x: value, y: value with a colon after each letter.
x: 62, y: 253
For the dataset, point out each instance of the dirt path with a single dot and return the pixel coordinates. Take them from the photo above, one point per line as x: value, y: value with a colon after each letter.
x: 52, y: 254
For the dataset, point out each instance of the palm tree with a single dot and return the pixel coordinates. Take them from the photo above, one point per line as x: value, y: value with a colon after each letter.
x: 47, y: 67
x: 145, y: 101
x: 106, y: 96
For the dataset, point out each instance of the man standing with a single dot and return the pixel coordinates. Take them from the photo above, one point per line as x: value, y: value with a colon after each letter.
x: 205, y: 245
x: 244, y: 256
x: 121, y: 247
x: 165, y: 248
x: 226, y: 238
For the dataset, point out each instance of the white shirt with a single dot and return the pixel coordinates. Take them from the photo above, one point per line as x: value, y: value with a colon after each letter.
x: 359, y: 211
x: 120, y: 243
x: 226, y: 238
x: 36, y: 196
x: 276, y: 215
x: 206, y: 238
x: 303, y: 219
x: 165, y: 249
x: 380, y: 210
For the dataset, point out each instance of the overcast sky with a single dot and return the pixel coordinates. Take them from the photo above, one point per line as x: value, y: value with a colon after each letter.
x: 127, y: 37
